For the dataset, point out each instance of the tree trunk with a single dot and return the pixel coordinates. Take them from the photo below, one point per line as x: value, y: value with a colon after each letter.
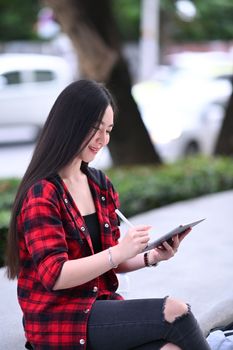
x: 93, y: 32
x: 224, y: 144
x: 130, y: 142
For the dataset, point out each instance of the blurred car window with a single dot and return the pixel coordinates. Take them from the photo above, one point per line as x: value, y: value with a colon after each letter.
x: 43, y: 75
x: 12, y: 78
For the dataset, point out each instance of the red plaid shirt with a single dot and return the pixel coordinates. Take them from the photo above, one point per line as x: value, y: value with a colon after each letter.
x: 52, y: 231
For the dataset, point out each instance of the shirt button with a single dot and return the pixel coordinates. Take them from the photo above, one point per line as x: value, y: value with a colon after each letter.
x: 83, y: 228
x: 106, y: 225
x: 86, y: 311
x: 95, y: 289
x: 82, y: 341
x: 66, y: 200
x: 103, y: 198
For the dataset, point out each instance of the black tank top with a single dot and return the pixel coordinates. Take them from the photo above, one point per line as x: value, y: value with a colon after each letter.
x: 92, y: 223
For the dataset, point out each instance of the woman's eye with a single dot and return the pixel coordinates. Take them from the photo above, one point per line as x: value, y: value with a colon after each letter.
x: 97, y: 129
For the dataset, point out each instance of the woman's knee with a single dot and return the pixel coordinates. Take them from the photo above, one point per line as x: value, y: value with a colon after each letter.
x: 170, y: 346
x: 173, y: 309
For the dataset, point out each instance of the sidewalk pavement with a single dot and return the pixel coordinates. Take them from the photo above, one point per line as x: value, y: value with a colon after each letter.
x: 201, y: 273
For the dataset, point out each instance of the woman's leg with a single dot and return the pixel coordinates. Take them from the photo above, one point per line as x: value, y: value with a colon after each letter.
x: 143, y: 324
x: 170, y: 346
x: 126, y: 324
x: 182, y: 327
x: 152, y: 346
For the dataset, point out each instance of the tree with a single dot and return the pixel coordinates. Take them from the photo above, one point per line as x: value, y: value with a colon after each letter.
x: 17, y: 19
x: 94, y: 34
x: 224, y: 144
x: 213, y: 22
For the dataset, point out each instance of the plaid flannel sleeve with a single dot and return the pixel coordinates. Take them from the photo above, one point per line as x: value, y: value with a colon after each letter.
x: 44, y: 234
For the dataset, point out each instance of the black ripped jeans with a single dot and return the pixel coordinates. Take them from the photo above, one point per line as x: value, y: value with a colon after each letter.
x: 140, y: 325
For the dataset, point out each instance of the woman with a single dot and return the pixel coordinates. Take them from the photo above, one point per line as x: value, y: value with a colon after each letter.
x: 63, y: 243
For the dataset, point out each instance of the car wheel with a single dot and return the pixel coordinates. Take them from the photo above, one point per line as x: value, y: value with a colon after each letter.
x: 191, y: 148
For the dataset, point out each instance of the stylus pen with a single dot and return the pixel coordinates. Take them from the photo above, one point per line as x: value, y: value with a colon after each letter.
x: 124, y: 218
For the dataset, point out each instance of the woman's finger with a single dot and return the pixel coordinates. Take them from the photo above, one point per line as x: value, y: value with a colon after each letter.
x: 184, y: 234
x: 142, y: 227
x: 176, y: 242
x: 167, y: 246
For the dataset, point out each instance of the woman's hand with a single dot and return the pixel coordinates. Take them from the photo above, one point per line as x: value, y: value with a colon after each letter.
x: 134, y: 241
x: 167, y: 250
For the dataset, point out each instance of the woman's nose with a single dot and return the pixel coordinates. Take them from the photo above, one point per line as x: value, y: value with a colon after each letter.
x: 102, y: 138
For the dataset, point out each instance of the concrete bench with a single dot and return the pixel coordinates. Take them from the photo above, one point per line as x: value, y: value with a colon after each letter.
x: 11, y: 328
x: 221, y: 315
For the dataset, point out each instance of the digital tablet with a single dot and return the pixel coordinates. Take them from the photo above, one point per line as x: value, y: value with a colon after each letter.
x: 176, y: 231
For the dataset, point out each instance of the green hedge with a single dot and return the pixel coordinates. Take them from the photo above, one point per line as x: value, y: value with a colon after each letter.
x: 3, y: 235
x: 8, y: 188
x: 143, y: 188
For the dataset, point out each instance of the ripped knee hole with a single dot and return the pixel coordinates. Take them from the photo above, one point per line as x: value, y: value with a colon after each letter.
x: 174, y: 309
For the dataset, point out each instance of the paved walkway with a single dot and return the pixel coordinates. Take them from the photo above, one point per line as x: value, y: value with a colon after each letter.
x: 201, y: 273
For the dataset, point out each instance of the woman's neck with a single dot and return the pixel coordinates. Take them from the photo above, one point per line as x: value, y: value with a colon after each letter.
x: 72, y: 172
x: 78, y: 186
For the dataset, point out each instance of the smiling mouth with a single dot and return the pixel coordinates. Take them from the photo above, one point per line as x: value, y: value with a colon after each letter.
x: 94, y: 149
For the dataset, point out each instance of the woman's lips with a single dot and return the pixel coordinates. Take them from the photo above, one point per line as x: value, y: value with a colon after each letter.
x: 94, y: 149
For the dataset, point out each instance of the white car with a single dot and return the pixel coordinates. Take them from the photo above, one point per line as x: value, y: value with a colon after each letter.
x: 183, y: 114
x: 29, y: 85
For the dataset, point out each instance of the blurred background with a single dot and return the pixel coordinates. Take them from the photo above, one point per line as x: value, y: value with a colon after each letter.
x: 169, y: 64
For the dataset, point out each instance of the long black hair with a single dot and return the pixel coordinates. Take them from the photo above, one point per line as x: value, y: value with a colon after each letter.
x: 79, y: 107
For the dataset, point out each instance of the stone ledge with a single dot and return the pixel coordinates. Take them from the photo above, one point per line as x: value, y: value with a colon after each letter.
x: 220, y: 315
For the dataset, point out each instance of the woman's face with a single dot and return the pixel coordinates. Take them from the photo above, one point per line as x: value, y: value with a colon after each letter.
x: 101, y: 137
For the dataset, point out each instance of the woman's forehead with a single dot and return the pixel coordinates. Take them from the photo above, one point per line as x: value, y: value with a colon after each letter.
x: 108, y: 117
